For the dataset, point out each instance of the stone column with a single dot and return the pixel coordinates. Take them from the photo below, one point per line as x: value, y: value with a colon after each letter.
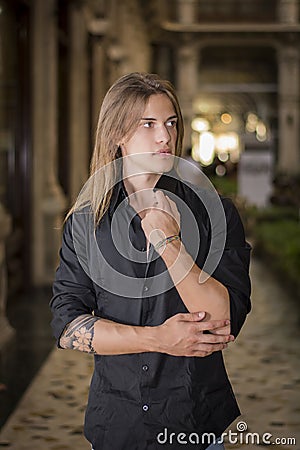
x: 128, y: 43
x: 187, y: 67
x: 79, y: 103
x: 187, y: 84
x: 186, y: 11
x: 115, y: 49
x: 99, y: 78
x: 289, y: 102
x: 135, y: 40
x: 47, y: 197
x: 7, y: 331
x: 288, y: 11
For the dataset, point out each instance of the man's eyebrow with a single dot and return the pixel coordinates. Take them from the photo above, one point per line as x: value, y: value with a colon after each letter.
x: 152, y: 118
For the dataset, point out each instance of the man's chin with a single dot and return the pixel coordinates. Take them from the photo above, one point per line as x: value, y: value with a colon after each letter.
x: 165, y: 166
x: 158, y: 167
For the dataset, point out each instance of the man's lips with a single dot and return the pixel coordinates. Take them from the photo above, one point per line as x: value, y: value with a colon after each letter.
x: 164, y: 151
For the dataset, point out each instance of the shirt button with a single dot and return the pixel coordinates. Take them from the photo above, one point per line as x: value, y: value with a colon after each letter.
x: 146, y: 288
x: 143, y: 249
x: 145, y: 368
x: 145, y: 407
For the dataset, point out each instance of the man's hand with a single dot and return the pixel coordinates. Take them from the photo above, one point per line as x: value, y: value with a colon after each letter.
x: 183, y: 335
x: 162, y: 220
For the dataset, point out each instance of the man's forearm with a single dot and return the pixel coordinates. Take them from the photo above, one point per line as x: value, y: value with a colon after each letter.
x: 92, y: 334
x: 210, y: 296
x: 112, y: 338
x: 180, y: 335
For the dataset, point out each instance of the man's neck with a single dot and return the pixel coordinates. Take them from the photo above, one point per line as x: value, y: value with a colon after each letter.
x: 137, y: 183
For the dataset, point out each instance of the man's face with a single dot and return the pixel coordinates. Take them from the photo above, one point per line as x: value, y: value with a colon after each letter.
x: 153, y: 143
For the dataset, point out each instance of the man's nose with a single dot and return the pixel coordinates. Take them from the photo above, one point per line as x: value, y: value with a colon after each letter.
x: 163, y: 134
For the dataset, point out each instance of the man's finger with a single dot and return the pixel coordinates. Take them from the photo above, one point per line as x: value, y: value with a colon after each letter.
x: 206, y: 349
x: 213, y: 324
x: 215, y: 339
x: 192, y: 317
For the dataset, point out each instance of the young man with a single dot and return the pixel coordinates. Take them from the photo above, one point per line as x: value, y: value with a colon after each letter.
x: 153, y: 280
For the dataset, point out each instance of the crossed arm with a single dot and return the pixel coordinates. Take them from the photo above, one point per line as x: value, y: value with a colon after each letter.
x: 191, y: 334
x: 181, y: 335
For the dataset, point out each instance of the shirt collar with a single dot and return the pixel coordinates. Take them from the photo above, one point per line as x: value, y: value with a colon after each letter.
x: 167, y: 182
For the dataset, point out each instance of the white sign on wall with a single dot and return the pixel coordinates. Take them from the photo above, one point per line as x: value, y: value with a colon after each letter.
x: 255, y: 174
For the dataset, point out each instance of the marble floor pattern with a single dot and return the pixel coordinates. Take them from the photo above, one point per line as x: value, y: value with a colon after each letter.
x: 263, y: 365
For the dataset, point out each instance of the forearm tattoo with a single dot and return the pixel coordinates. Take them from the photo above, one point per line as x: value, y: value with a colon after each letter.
x: 79, y: 334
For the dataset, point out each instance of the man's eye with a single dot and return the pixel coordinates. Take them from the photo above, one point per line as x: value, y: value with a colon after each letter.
x: 148, y: 124
x: 171, y: 123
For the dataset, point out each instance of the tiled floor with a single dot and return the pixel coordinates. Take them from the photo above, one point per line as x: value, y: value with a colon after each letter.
x: 263, y: 364
x: 50, y: 414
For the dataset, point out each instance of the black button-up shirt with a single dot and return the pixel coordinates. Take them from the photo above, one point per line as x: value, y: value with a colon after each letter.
x: 134, y: 398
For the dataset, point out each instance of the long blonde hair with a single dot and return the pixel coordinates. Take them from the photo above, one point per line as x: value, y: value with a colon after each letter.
x: 120, y: 114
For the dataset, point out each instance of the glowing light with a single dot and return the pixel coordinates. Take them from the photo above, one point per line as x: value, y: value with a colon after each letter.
x: 220, y: 170
x: 252, y: 118
x: 199, y: 124
x: 226, y: 118
x: 223, y: 156
x: 196, y: 153
x: 261, y: 131
x: 227, y: 142
x: 206, y: 148
x: 252, y: 121
x: 261, y: 138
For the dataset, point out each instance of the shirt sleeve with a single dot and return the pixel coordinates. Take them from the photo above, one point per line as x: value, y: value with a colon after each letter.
x: 73, y: 290
x: 233, y: 268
